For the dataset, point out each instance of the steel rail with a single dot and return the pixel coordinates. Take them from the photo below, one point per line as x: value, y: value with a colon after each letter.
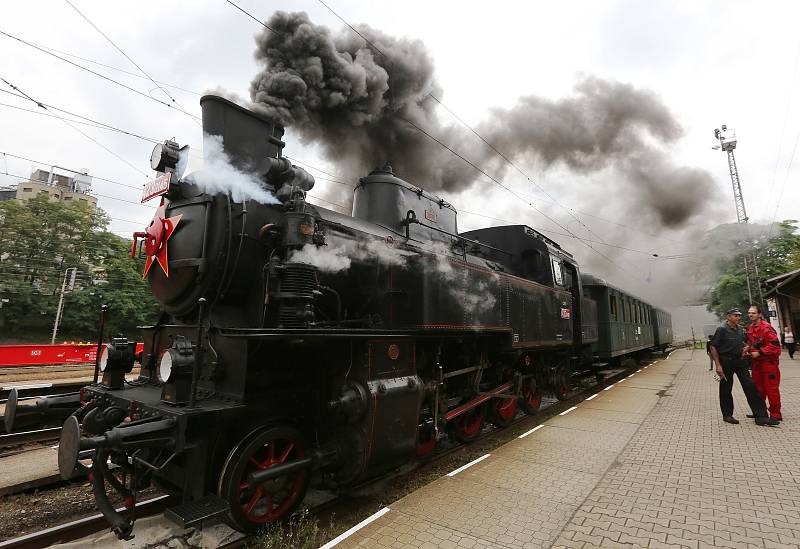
x: 43, y: 389
x: 24, y: 437
x: 87, y: 526
x: 96, y: 523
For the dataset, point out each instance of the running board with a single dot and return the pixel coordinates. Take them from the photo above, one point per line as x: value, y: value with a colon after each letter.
x: 199, y: 510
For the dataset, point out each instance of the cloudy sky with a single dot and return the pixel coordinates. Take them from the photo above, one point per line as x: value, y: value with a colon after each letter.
x: 707, y: 62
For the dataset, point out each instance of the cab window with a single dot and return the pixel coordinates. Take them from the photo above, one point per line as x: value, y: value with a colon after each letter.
x: 533, y: 268
x: 558, y: 276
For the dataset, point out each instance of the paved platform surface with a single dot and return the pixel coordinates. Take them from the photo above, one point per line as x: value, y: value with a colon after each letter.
x: 647, y: 463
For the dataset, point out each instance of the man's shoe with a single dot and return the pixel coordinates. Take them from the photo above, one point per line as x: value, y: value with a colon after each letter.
x: 750, y: 416
x: 731, y: 419
x: 767, y: 421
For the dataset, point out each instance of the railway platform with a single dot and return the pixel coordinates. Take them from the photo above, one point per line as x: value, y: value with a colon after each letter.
x: 647, y: 462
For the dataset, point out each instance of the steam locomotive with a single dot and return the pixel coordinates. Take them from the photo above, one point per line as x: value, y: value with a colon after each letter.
x: 298, y: 345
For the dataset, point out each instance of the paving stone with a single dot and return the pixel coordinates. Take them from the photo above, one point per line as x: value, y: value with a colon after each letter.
x: 648, y: 463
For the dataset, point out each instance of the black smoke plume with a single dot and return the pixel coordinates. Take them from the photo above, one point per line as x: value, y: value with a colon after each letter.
x: 360, y: 100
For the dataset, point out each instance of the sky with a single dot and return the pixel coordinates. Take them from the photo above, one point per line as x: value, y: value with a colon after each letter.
x: 709, y: 63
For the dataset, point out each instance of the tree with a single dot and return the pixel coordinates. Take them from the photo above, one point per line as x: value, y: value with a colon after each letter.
x: 726, y: 249
x: 39, y: 240
x: 119, y: 285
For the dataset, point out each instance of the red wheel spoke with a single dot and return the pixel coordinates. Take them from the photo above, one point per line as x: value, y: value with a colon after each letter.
x: 254, y: 505
x: 285, y: 453
x: 253, y: 500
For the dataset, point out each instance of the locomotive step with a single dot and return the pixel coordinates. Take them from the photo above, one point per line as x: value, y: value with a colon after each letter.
x: 199, y: 510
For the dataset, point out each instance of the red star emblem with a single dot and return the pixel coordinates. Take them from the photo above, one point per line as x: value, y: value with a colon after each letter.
x: 158, y: 232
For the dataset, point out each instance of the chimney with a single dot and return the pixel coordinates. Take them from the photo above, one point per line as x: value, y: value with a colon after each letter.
x: 248, y: 138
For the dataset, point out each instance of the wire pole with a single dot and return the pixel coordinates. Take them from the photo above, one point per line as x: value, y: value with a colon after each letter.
x: 61, y: 300
x: 727, y: 142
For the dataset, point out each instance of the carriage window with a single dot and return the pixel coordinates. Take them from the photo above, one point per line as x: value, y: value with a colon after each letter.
x: 613, y: 304
x: 557, y: 275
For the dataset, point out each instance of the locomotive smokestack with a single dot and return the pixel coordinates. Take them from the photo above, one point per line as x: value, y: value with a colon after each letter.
x: 248, y: 139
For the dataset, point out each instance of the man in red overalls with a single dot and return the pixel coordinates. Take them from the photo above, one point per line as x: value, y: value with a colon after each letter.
x: 764, y: 348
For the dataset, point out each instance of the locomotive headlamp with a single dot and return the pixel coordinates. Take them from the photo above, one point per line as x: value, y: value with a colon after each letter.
x: 165, y: 155
x: 104, y: 359
x: 165, y: 366
x: 170, y: 157
x: 116, y: 360
x: 175, y: 371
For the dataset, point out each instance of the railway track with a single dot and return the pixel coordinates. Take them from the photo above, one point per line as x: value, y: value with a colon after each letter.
x: 94, y: 524
x: 36, y: 390
x: 10, y: 440
x: 77, y: 529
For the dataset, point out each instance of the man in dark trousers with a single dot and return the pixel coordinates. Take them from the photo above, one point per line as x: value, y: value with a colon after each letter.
x: 727, y: 351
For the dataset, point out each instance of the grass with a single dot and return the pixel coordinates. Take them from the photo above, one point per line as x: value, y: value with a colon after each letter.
x: 301, y: 531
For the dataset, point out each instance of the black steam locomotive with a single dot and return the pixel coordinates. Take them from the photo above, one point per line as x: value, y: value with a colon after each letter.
x: 301, y: 345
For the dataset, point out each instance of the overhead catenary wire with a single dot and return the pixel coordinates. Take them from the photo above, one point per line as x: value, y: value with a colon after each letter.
x: 82, y: 122
x: 332, y: 179
x: 617, y: 246
x: 790, y: 96
x: 470, y: 128
x: 89, y: 121
x: 508, y: 189
x: 28, y: 178
x: 87, y: 136
x: 344, y: 207
x: 505, y: 158
x: 253, y: 17
x: 98, y: 63
x: 135, y: 64
x: 4, y: 153
x: 100, y: 75
x: 518, y: 196
x: 571, y: 235
x: 783, y: 185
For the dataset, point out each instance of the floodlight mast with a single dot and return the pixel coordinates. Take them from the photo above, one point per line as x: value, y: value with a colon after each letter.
x: 727, y: 142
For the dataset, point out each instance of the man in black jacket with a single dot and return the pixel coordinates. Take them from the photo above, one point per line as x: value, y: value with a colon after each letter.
x: 727, y: 350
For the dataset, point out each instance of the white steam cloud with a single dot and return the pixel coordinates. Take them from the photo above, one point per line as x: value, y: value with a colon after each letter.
x: 339, y: 256
x: 476, y: 296
x: 219, y: 176
x: 325, y: 258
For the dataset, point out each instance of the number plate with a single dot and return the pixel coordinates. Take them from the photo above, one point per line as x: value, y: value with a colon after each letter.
x: 156, y: 187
